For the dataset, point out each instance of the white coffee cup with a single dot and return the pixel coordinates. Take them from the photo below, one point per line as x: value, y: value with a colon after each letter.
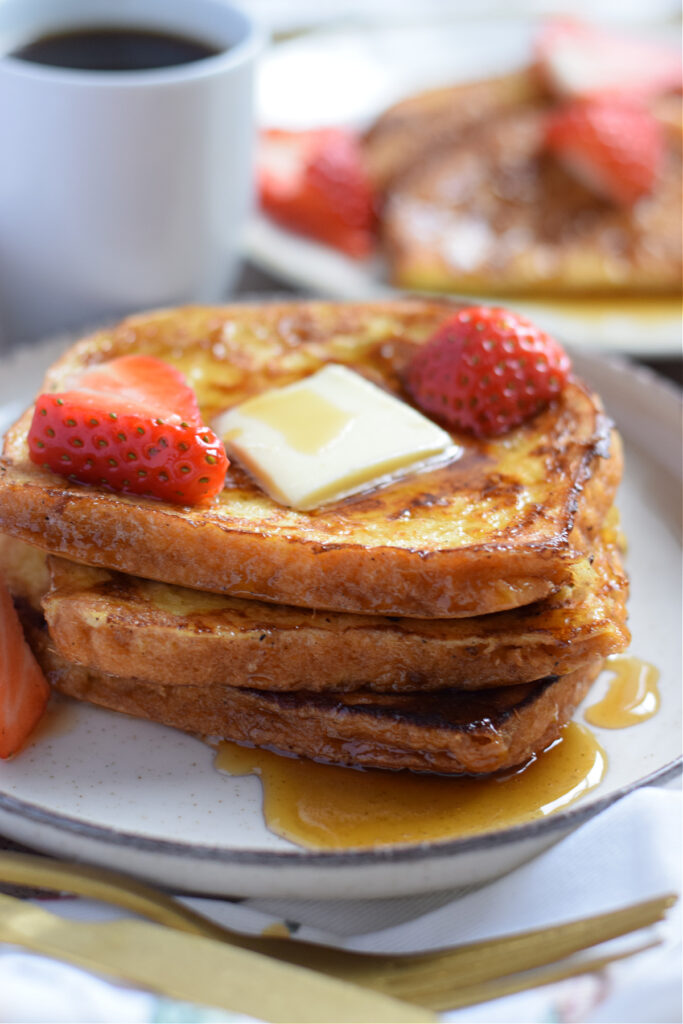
x: 121, y: 190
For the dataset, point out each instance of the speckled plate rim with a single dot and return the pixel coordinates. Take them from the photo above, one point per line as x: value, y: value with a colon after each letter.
x: 395, y: 854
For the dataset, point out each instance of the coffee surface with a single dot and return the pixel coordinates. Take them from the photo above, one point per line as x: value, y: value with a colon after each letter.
x: 114, y: 49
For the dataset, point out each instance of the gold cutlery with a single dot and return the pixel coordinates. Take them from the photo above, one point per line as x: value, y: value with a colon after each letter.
x: 198, y: 970
x: 438, y: 980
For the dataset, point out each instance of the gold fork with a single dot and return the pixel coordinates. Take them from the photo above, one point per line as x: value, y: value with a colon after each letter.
x: 441, y: 980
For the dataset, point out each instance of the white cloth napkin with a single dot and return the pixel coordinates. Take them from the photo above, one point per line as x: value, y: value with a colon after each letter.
x: 631, y: 852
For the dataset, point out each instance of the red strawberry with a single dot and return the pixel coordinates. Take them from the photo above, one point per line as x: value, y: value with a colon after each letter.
x: 314, y: 183
x: 615, y: 148
x: 487, y: 370
x: 23, y: 688
x: 579, y: 60
x: 132, y: 425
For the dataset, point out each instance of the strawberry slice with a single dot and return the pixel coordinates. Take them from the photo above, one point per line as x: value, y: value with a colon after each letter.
x: 141, y: 384
x: 24, y: 691
x: 130, y: 425
x: 614, y: 147
x: 579, y: 60
x: 314, y: 183
x: 487, y: 370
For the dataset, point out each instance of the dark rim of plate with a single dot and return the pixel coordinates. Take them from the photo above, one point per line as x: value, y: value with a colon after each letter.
x: 398, y: 854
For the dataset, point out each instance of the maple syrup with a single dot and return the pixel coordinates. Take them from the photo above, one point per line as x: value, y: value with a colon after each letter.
x: 632, y: 696
x: 307, y: 420
x: 323, y: 807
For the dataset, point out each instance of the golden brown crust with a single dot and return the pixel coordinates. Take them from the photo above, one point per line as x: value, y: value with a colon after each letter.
x: 450, y: 731
x: 124, y: 625
x: 499, y: 528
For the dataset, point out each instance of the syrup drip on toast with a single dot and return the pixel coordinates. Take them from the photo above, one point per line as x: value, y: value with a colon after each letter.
x: 292, y: 413
x: 326, y: 807
x: 632, y: 696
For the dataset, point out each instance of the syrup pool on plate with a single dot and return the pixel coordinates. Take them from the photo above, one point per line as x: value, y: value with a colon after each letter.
x: 632, y: 695
x: 326, y: 807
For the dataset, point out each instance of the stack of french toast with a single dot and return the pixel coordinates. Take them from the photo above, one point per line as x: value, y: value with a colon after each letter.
x: 450, y: 620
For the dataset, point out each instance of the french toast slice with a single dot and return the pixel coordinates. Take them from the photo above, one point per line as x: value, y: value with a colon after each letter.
x: 127, y: 626
x: 494, y: 213
x: 506, y: 524
x: 451, y: 731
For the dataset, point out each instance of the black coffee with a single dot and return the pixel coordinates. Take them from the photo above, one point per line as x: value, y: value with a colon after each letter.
x: 114, y: 49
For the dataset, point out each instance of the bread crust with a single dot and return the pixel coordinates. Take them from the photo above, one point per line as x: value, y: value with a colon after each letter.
x: 123, y: 625
x: 450, y: 732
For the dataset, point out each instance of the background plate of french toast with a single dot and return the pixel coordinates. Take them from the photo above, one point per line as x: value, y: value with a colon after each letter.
x: 401, y: 690
x: 469, y: 197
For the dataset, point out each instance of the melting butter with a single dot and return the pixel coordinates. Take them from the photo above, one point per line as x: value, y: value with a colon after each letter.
x: 632, y: 695
x: 325, y: 807
x: 329, y: 435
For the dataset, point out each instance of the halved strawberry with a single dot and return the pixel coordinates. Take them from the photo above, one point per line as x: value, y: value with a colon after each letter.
x: 486, y: 370
x: 140, y: 384
x: 314, y: 183
x: 24, y: 691
x: 131, y: 425
x: 579, y: 60
x: 614, y: 147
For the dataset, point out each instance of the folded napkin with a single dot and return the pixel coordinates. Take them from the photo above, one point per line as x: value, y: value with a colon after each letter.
x: 631, y: 852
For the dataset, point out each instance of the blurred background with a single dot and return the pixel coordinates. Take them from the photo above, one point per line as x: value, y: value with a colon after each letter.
x: 284, y: 17
x: 340, y: 65
x: 344, y: 63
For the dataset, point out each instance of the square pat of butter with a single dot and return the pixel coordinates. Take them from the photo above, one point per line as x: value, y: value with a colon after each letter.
x: 327, y: 436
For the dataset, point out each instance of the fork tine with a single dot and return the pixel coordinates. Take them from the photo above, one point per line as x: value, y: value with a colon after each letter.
x: 477, y: 962
x: 450, y: 997
x: 432, y: 979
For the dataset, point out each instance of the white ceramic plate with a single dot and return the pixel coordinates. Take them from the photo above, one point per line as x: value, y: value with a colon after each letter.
x: 134, y: 795
x: 348, y: 78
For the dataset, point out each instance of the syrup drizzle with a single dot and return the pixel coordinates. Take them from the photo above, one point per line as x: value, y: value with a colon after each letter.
x: 293, y: 412
x: 632, y: 696
x: 326, y: 807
